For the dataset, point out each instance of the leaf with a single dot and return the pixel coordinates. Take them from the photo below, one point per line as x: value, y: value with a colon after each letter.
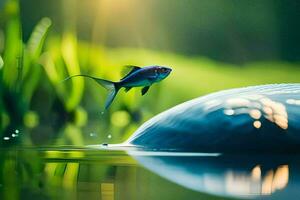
x: 38, y: 36
x: 12, y: 50
x: 69, y: 54
x: 32, y: 54
x: 1, y: 62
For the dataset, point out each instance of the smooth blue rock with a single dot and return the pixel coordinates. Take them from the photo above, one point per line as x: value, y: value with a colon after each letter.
x: 254, y: 119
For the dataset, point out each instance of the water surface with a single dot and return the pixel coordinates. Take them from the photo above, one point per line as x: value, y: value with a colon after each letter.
x: 80, y: 173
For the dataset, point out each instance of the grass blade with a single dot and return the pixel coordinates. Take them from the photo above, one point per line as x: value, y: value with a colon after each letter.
x: 37, y: 38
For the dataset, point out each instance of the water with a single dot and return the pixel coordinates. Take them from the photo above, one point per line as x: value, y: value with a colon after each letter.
x: 80, y: 173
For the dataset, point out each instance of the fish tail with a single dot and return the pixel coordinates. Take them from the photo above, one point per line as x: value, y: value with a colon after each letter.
x: 111, y: 96
x: 112, y: 87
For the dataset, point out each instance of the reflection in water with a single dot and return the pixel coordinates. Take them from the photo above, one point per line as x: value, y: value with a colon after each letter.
x: 281, y: 177
x: 65, y: 173
x: 252, y: 183
x: 107, y: 191
x: 267, y: 183
x: 235, y: 176
x: 61, y: 173
x: 256, y: 173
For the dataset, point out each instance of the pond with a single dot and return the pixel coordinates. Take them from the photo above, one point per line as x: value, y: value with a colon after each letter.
x: 97, y: 173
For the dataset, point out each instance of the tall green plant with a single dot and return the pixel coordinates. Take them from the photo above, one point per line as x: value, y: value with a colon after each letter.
x: 20, y: 70
x: 32, y: 52
x: 59, y: 62
x: 12, y: 45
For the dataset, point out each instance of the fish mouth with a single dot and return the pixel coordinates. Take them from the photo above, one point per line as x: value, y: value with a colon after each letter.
x: 169, y: 70
x: 165, y: 71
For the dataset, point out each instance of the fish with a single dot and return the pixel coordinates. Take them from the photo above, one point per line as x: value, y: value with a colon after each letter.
x: 138, y: 77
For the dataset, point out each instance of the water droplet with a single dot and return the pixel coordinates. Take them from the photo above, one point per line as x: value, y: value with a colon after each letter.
x: 109, y: 136
x: 93, y: 135
x: 17, y: 131
x: 6, y: 138
x: 14, y: 135
x: 102, y: 112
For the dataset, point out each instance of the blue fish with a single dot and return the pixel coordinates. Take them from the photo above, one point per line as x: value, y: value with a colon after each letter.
x: 137, y: 77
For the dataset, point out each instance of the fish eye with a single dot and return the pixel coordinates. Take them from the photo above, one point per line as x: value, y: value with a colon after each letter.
x: 162, y: 70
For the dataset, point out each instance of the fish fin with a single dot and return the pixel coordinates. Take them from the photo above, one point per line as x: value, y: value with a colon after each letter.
x: 127, y: 89
x: 111, y: 96
x: 134, y: 68
x: 145, y: 90
x: 104, y: 83
x: 112, y: 87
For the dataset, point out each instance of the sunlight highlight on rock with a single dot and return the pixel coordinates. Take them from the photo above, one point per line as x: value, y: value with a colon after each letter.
x: 275, y: 112
x: 212, y: 104
x: 257, y: 124
x: 268, y: 110
x: 238, y: 102
x: 255, y: 113
x: 229, y: 112
x: 293, y: 101
x: 258, y: 106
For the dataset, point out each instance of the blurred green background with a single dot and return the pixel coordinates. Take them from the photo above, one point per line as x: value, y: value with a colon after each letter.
x: 211, y: 45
